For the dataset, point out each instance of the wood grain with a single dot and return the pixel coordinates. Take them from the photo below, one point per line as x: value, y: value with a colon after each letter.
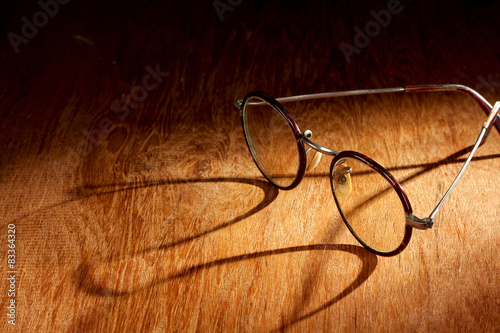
x: 160, y: 220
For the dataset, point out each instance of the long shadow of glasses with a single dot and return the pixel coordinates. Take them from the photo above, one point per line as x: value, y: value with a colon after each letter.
x: 368, y: 264
x: 85, y: 279
x: 270, y: 194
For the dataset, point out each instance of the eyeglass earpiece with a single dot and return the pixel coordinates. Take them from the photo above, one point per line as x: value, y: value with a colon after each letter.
x: 342, y: 179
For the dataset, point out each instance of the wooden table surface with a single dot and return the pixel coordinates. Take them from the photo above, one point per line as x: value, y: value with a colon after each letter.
x: 137, y: 207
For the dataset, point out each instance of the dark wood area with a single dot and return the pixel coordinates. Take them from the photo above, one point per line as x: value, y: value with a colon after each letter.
x: 137, y: 206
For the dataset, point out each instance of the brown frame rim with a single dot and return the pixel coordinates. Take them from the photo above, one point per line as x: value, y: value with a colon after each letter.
x: 293, y: 126
x: 394, y: 183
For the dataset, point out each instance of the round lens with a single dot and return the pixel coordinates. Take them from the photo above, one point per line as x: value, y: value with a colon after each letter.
x: 369, y: 204
x: 272, y: 142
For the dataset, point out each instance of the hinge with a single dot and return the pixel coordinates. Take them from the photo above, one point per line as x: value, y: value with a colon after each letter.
x: 418, y: 223
x: 238, y: 104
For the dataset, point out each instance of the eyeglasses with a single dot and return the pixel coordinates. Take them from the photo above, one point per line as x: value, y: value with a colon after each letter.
x: 372, y: 203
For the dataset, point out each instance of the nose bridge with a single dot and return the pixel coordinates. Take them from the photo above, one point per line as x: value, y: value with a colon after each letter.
x: 318, y: 150
x: 306, y: 138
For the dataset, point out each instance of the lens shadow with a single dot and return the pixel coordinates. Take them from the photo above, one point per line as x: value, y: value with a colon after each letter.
x: 147, y: 278
x: 144, y: 270
x: 270, y: 194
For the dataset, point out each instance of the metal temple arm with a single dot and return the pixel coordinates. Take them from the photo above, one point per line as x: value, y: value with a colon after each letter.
x: 480, y: 100
x: 426, y: 223
x: 339, y: 94
x: 487, y: 125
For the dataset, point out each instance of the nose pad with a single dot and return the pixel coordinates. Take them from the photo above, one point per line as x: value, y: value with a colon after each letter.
x: 317, y: 155
x: 314, y: 161
x: 342, y: 180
